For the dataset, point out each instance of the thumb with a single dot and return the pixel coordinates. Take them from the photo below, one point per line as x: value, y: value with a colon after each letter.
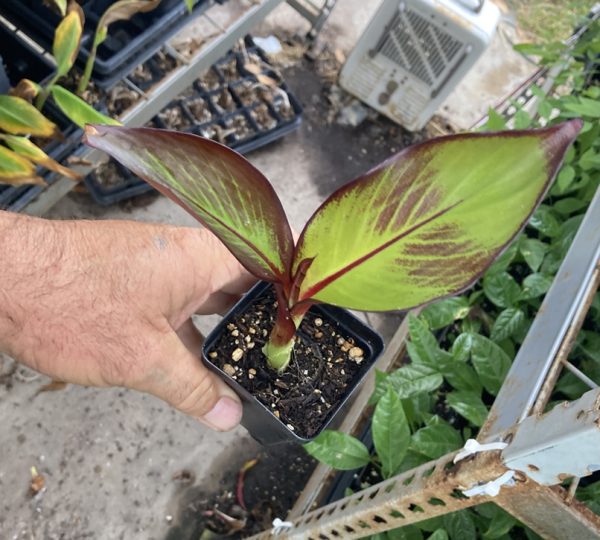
x: 188, y: 386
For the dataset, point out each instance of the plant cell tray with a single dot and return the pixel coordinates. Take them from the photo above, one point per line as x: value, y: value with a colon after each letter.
x: 244, y: 110
x: 129, y: 42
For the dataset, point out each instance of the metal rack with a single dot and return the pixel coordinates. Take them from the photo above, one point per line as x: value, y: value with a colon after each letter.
x: 165, y: 91
x: 541, y: 452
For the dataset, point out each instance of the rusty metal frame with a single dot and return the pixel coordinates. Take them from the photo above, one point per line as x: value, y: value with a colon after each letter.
x: 542, y: 450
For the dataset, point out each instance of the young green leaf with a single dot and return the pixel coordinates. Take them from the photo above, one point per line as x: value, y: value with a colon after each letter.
x: 338, y: 450
x: 423, y: 347
x: 461, y: 348
x: 430, y: 220
x: 391, y: 434
x: 469, y: 406
x: 533, y: 252
x: 459, y: 374
x: 490, y: 362
x: 501, y: 289
x: 508, y: 323
x: 24, y: 147
x: 439, y: 534
x: 20, y: 117
x: 67, y: 38
x: 17, y: 170
x: 214, y: 184
x: 545, y: 221
x: 460, y: 526
x: 77, y: 110
x: 501, y: 524
x: 444, y: 312
x: 436, y: 439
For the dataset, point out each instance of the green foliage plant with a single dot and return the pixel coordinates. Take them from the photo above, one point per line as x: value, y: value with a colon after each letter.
x: 424, y: 224
x: 462, y: 347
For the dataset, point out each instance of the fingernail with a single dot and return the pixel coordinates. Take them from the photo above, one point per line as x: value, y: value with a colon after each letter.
x: 225, y: 415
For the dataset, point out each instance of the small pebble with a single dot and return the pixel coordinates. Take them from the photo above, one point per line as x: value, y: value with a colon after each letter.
x: 305, y: 372
x: 235, y: 333
x: 290, y: 427
x: 341, y: 341
x: 272, y: 405
x: 252, y: 330
x: 318, y: 335
x: 264, y: 333
x: 212, y: 354
x: 276, y: 413
x: 237, y: 355
x: 231, y: 326
x: 247, y: 339
x: 318, y: 322
x: 355, y: 352
x: 252, y: 371
x: 250, y: 345
x: 342, y: 372
x: 229, y: 369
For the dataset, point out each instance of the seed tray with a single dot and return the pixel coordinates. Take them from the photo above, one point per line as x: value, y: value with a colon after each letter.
x: 129, y: 42
x: 227, y: 104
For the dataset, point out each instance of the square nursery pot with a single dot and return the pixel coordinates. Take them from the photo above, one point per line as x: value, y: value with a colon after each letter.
x: 333, y: 353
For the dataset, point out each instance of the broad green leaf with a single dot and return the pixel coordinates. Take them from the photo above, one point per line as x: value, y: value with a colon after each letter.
x: 391, y: 434
x: 214, y: 184
x: 469, y: 406
x: 522, y: 120
x: 545, y: 221
x: 66, y: 40
x: 461, y: 348
x: 533, y: 252
x: 501, y: 289
x: 77, y: 110
x: 423, y: 347
x: 19, y: 117
x: 590, y: 160
x: 24, y: 147
x: 439, y: 534
x: 569, y: 205
x: 460, y: 526
x: 445, y: 312
x: 414, y: 379
x: 459, y: 374
x: 490, y: 362
x: 565, y: 178
x: 535, y: 285
x: 585, y: 107
x: 338, y: 450
x: 430, y: 220
x: 501, y: 524
x: 17, y: 170
x: 508, y: 322
x: 436, y: 439
x: 408, y: 532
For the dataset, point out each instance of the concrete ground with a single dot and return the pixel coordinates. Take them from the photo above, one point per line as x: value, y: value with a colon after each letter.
x: 109, y: 456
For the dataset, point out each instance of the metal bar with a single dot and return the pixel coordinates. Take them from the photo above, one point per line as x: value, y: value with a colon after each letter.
x: 559, y: 309
x: 354, y: 420
x: 564, y: 442
x: 427, y: 491
x: 309, y: 14
x: 580, y: 375
x: 162, y: 95
x: 543, y: 509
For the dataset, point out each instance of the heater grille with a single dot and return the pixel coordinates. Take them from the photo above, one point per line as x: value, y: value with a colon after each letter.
x: 420, y: 47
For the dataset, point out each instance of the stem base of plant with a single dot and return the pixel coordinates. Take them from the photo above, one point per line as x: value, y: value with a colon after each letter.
x: 278, y: 355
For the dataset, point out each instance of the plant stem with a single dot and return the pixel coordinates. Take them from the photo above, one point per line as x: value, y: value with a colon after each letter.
x: 87, y: 72
x: 278, y: 349
x: 43, y: 95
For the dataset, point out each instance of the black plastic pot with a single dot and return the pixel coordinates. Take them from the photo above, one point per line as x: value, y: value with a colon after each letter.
x: 260, y: 422
x: 128, y: 44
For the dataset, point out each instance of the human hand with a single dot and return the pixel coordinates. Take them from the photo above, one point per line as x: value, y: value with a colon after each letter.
x: 108, y: 303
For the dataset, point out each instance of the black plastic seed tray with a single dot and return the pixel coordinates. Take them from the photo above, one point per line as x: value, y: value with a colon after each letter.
x: 227, y: 104
x: 129, y: 42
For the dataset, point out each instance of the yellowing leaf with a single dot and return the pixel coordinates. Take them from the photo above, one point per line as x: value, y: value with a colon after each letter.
x: 77, y: 110
x: 19, y: 117
x: 26, y: 89
x: 66, y: 41
x: 427, y: 223
x: 24, y: 147
x: 125, y: 9
x: 17, y: 170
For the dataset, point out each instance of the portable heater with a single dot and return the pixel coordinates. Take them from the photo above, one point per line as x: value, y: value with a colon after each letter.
x: 415, y: 52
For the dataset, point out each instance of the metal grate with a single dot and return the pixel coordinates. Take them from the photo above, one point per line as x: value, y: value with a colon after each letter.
x: 419, y: 46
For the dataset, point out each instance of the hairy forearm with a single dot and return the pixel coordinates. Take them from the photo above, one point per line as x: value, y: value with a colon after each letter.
x: 23, y: 256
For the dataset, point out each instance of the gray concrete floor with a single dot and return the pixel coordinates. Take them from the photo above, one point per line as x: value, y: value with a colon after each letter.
x: 109, y: 456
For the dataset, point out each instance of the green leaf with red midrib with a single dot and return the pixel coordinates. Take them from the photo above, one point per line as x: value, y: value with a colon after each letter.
x: 429, y: 220
x: 214, y: 184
